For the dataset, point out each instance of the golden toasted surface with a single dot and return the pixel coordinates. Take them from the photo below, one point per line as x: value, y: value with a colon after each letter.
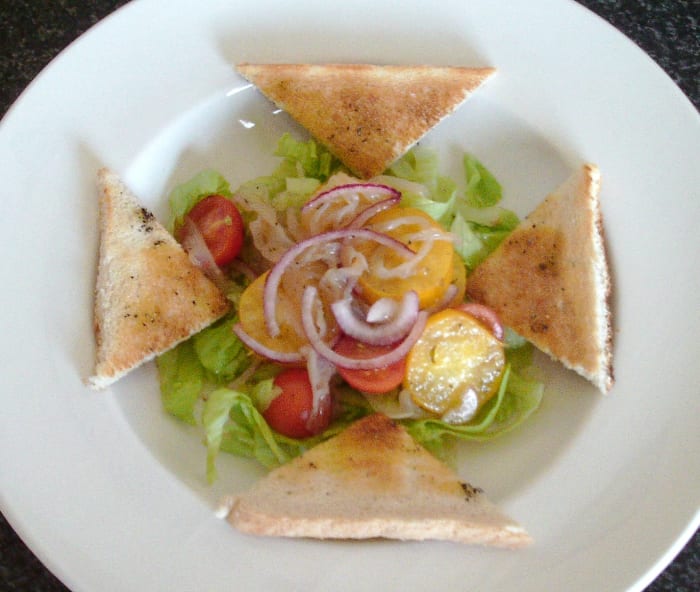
x: 367, y: 115
x: 149, y: 296
x: 549, y: 280
x: 371, y: 480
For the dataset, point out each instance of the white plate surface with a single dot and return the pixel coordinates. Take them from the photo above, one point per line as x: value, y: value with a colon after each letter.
x: 110, y: 492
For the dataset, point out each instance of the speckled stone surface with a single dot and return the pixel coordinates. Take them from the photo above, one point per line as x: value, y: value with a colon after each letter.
x: 32, y: 33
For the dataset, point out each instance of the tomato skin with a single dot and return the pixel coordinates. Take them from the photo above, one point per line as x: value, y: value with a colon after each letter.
x: 378, y: 381
x: 288, y: 413
x: 221, y: 225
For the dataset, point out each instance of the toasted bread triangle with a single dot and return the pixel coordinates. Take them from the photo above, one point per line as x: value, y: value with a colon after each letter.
x: 549, y: 279
x: 367, y: 115
x: 371, y: 481
x: 149, y: 296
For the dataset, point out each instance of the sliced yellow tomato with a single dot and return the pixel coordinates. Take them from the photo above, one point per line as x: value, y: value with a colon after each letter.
x: 430, y: 278
x: 455, y: 366
x: 252, y: 319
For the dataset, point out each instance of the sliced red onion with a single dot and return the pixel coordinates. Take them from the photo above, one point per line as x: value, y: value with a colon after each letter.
x: 374, y: 190
x: 405, y: 269
x: 339, y: 282
x: 338, y: 206
x: 270, y: 238
x: 372, y: 210
x: 320, y: 373
x: 380, y: 361
x: 382, y: 310
x: 263, y: 350
x: 393, y: 223
x: 378, y: 333
x: 485, y: 315
x: 196, y: 247
x: 273, y: 279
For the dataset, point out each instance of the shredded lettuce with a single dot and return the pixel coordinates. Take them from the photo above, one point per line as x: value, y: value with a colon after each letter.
x: 309, y: 158
x: 305, y: 165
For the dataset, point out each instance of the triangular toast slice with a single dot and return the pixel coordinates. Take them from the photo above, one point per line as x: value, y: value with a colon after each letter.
x: 549, y: 279
x: 367, y: 115
x: 149, y: 296
x: 371, y: 481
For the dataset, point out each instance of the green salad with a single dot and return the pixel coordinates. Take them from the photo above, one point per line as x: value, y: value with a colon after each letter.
x: 321, y: 259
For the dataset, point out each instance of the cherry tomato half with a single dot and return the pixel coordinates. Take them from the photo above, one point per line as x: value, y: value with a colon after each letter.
x: 288, y: 413
x: 221, y: 225
x: 380, y: 380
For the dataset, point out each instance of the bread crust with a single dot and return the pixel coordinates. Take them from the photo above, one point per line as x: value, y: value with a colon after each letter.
x: 549, y: 279
x: 367, y: 115
x: 372, y: 480
x: 149, y: 296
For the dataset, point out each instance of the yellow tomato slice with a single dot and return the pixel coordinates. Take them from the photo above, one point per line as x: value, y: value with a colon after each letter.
x: 430, y: 278
x: 252, y: 319
x: 455, y: 367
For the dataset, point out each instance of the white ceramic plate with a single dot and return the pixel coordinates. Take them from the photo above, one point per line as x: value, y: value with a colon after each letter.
x: 110, y: 492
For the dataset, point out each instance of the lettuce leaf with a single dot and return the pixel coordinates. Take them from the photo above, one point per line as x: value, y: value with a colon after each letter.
x: 516, y: 400
x: 303, y: 168
x: 483, y: 189
x: 233, y: 424
x: 186, y: 195
x: 419, y: 165
x: 307, y: 159
x: 182, y: 378
x: 220, y: 352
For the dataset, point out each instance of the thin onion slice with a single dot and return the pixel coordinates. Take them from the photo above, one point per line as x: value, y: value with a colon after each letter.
x: 273, y: 279
x: 320, y: 373
x: 382, y: 310
x: 365, y: 215
x: 349, y: 188
x: 377, y: 333
x: 196, y: 247
x: 380, y: 361
x: 263, y: 350
x: 486, y: 316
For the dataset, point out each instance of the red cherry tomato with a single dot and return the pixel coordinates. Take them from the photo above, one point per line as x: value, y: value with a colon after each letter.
x: 221, y: 225
x: 381, y: 380
x: 289, y: 412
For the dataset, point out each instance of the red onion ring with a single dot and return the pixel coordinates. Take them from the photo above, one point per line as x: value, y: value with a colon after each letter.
x: 272, y: 281
x: 337, y: 191
x: 371, y: 210
x: 380, y: 361
x: 378, y: 333
x: 486, y: 316
x: 263, y: 350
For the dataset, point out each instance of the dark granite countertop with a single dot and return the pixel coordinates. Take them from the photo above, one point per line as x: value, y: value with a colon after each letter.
x: 34, y: 32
